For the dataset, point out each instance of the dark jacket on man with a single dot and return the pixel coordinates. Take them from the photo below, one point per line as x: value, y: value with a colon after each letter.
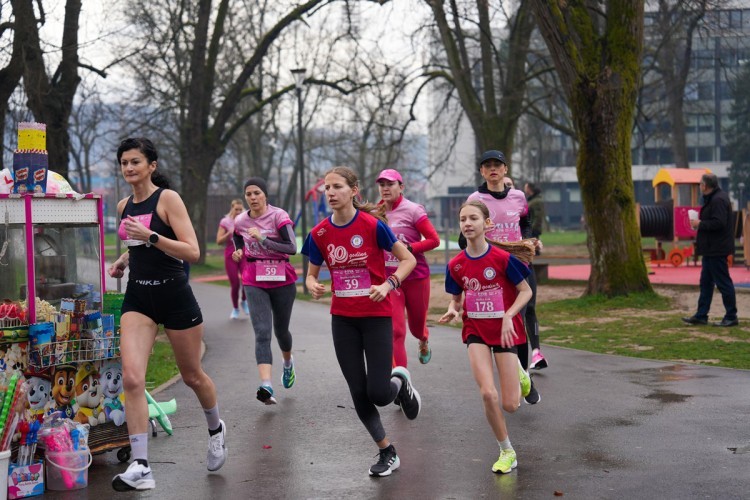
x: 715, y: 232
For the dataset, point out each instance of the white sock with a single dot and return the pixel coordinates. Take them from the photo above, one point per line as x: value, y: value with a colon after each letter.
x: 139, y: 446
x: 212, y: 417
x: 288, y: 363
x: 505, y: 444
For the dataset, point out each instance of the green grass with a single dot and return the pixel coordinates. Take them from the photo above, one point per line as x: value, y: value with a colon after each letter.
x: 161, y: 365
x: 642, y: 326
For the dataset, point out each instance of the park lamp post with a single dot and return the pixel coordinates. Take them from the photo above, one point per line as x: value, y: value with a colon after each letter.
x: 299, y: 83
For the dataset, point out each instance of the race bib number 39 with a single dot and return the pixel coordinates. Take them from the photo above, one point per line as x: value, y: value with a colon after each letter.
x: 485, y: 304
x: 351, y: 282
x: 270, y: 270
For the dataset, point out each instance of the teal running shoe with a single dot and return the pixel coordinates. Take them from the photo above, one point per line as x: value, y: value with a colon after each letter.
x: 289, y: 376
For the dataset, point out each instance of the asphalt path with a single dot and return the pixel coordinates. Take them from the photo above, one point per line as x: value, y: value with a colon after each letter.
x: 606, y: 427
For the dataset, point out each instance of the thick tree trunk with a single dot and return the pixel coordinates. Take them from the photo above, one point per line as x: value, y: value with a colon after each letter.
x: 597, y: 56
x: 604, y: 173
x: 196, y: 170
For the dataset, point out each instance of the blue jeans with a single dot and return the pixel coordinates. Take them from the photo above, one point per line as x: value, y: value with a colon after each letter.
x: 715, y: 272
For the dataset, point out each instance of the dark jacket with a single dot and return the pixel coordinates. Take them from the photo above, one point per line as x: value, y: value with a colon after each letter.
x: 715, y: 231
x: 536, y: 214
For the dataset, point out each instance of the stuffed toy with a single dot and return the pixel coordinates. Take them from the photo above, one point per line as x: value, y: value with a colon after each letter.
x: 111, y: 382
x: 39, y: 395
x: 63, y: 381
x: 88, y: 395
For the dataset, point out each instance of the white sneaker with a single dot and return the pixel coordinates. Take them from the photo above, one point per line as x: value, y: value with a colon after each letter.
x: 137, y: 477
x: 246, y: 307
x: 235, y: 314
x: 217, y: 449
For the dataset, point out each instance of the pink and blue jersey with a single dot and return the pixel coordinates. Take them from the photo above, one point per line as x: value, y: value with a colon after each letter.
x: 354, y: 256
x: 403, y: 219
x: 505, y: 214
x: 264, y: 268
x: 489, y: 286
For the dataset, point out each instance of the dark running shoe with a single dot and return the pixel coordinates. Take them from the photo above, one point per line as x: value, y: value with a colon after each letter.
x: 408, y: 397
x: 534, y: 397
x: 387, y: 462
x: 265, y: 395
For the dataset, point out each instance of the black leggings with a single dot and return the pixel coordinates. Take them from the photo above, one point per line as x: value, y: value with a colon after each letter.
x: 368, y: 376
x: 531, y: 323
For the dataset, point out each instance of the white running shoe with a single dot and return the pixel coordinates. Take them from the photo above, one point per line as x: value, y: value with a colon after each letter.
x: 217, y: 449
x: 235, y: 314
x: 137, y: 477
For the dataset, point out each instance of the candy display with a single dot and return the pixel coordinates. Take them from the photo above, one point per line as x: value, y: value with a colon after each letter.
x: 30, y: 160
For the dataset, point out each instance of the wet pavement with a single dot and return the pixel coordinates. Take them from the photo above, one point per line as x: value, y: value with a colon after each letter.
x: 607, y: 427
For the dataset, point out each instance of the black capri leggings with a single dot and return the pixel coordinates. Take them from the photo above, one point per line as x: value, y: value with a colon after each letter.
x: 368, y: 376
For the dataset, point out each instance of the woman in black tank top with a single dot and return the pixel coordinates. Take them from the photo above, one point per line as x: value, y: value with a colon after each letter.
x: 159, y: 234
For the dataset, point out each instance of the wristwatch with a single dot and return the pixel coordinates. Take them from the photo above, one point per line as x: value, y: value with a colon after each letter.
x: 153, y: 238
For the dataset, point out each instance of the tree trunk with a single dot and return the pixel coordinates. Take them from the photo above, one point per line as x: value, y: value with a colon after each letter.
x: 51, y: 99
x: 196, y: 170
x: 604, y: 174
x: 597, y: 55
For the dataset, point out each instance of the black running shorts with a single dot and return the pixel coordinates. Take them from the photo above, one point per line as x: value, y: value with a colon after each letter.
x: 475, y: 339
x: 169, y: 302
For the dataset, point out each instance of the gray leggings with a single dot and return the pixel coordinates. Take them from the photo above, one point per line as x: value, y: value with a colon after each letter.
x: 271, y: 306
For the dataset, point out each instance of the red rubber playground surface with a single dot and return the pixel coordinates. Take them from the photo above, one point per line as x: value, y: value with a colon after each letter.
x: 662, y: 275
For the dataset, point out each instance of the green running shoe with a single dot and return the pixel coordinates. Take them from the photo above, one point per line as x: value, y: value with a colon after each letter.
x: 288, y: 377
x: 425, y: 353
x: 506, y: 463
x: 525, y: 379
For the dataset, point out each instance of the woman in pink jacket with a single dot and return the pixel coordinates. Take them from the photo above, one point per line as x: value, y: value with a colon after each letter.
x: 409, y: 222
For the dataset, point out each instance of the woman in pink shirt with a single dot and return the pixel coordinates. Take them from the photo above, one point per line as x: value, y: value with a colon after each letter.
x: 264, y: 238
x: 224, y: 237
x: 409, y: 222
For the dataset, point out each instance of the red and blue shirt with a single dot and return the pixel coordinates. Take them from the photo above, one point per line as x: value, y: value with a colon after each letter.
x: 489, y: 286
x: 354, y: 256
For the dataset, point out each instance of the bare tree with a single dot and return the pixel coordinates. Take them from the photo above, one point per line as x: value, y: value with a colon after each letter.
x: 50, y: 96
x: 597, y: 52
x: 492, y: 89
x: 184, y: 56
x: 92, y: 134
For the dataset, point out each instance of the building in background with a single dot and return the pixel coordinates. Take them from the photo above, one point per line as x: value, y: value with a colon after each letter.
x: 547, y: 156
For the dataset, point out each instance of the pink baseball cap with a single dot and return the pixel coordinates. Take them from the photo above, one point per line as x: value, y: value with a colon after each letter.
x: 390, y: 175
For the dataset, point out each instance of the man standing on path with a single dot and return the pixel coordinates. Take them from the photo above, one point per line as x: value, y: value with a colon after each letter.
x: 715, y: 243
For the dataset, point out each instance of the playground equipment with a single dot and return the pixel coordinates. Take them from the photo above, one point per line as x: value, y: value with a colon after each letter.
x: 676, y: 191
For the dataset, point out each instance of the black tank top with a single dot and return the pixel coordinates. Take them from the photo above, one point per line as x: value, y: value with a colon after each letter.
x: 148, y: 262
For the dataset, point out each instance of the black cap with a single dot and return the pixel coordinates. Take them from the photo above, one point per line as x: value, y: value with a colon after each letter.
x: 492, y: 154
x: 257, y: 181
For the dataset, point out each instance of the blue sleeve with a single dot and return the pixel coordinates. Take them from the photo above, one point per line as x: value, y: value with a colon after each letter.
x: 450, y: 284
x: 516, y: 270
x: 310, y: 249
x: 386, y: 238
